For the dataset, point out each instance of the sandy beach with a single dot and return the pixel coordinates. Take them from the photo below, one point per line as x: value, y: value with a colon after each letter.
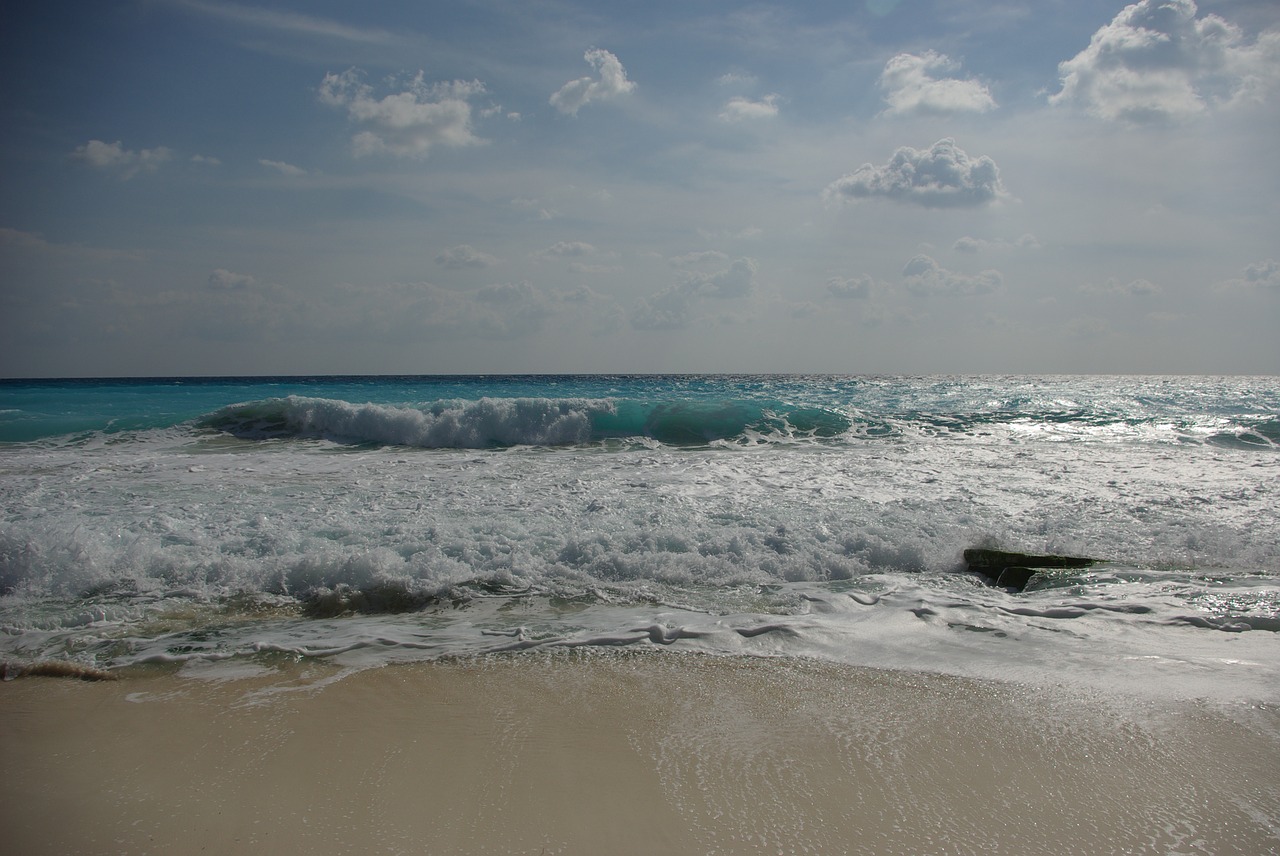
x: 606, y: 752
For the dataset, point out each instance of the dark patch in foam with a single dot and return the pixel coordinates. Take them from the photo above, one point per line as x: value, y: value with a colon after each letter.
x: 54, y: 669
x: 1076, y: 611
x: 752, y: 632
x: 1230, y: 624
x: 394, y: 597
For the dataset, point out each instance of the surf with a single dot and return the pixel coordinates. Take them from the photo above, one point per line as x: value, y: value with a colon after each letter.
x: 506, y: 422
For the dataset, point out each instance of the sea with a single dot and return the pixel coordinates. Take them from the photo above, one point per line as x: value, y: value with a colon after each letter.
x: 220, y: 525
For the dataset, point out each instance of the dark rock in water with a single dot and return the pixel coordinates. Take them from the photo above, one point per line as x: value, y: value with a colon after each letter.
x: 1015, y: 578
x: 1014, y: 570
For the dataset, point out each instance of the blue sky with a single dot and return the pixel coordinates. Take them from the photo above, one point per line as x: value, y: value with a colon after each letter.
x: 205, y: 187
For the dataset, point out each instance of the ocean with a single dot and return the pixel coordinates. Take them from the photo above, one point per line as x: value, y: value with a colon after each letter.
x: 225, y: 524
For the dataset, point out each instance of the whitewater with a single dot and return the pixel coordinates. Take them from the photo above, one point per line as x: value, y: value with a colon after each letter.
x: 220, y: 523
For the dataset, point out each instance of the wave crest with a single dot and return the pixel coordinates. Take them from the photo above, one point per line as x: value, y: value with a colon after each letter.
x: 485, y: 423
x: 504, y: 422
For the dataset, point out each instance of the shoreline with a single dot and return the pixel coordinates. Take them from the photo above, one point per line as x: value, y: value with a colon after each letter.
x: 597, y: 751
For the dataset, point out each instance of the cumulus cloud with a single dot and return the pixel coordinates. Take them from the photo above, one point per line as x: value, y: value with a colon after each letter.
x: 207, y: 160
x: 408, y: 123
x: 282, y: 167
x: 1261, y: 276
x: 465, y: 256
x: 1157, y: 61
x: 853, y: 288
x: 610, y: 82
x: 225, y: 280
x: 116, y: 158
x: 925, y: 277
x: 942, y: 176
x: 738, y: 109
x: 910, y: 85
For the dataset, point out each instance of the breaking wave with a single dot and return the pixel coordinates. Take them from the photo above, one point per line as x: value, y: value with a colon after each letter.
x: 503, y: 422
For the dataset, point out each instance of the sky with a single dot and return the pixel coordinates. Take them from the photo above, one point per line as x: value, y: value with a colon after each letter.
x: 200, y: 187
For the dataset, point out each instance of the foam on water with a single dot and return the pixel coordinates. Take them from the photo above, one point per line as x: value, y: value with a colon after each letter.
x: 814, y: 517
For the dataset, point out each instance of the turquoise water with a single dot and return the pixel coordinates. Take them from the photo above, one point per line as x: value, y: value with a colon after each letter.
x: 678, y: 410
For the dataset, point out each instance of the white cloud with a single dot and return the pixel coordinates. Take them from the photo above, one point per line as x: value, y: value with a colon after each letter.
x: 291, y: 22
x: 1263, y: 274
x: 610, y: 83
x: 18, y: 239
x: 513, y: 292
x: 581, y: 295
x: 675, y: 306
x: 736, y: 281
x: 282, y: 167
x: 573, y: 249
x: 969, y: 244
x: 1115, y: 288
x: 115, y: 157
x: 738, y: 109
x: 925, y: 277
x: 669, y: 309
x: 224, y: 280
x: 32, y: 243
x: 498, y: 110
x: 408, y: 123
x: 697, y: 258
x: 748, y: 233
x: 465, y: 256
x: 1157, y: 61
x: 943, y: 176
x: 582, y: 267
x: 854, y: 288
x: 103, y: 155
x: 736, y: 78
x: 206, y: 160
x: 910, y: 86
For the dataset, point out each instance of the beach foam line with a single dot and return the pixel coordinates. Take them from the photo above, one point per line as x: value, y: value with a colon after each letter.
x: 590, y: 752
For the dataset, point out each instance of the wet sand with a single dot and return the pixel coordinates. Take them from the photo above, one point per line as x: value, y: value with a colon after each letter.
x: 601, y: 752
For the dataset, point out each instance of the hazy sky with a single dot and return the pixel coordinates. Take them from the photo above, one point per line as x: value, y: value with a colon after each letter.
x: 208, y: 187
